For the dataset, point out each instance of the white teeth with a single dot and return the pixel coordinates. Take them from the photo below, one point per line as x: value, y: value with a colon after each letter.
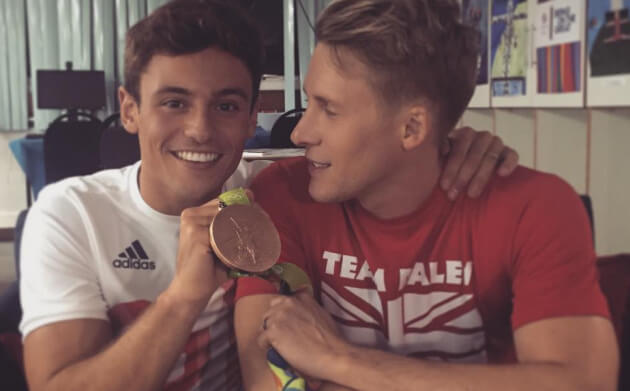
x: 320, y: 165
x: 200, y: 157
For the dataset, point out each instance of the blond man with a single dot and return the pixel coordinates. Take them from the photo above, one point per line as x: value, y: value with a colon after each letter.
x: 412, y: 291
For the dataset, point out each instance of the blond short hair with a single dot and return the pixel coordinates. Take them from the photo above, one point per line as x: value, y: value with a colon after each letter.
x: 415, y: 49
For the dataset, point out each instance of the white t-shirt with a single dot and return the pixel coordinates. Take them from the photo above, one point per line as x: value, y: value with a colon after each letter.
x: 92, y: 248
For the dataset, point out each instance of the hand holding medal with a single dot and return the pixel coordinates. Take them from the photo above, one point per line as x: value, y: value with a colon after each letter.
x: 245, y: 239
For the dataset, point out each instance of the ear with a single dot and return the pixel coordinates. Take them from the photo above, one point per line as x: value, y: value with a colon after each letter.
x: 253, y: 118
x: 128, y: 111
x: 415, y: 127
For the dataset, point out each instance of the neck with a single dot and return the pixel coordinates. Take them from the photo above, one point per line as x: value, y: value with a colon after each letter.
x: 168, y: 204
x: 408, y: 189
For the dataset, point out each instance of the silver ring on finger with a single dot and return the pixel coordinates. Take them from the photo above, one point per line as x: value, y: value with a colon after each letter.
x: 493, y: 155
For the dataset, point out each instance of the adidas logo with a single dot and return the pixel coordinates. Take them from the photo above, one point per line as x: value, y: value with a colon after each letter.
x: 134, y: 257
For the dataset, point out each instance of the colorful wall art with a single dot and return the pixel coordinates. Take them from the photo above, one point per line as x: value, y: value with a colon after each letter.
x: 509, y: 40
x: 558, y: 36
x: 609, y: 37
x: 608, y: 53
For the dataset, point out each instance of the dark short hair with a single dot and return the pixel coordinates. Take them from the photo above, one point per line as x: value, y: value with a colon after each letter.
x: 413, y: 49
x: 189, y: 26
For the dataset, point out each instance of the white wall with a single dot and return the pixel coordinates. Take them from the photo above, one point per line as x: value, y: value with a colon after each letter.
x: 590, y: 149
x: 609, y: 174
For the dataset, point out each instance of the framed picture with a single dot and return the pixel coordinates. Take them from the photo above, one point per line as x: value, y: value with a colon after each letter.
x: 559, y: 46
x: 511, y: 69
x: 608, y: 59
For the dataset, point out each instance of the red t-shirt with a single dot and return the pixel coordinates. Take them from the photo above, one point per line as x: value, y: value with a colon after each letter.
x: 450, y: 281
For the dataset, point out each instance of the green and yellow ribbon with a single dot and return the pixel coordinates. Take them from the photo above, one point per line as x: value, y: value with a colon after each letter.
x: 288, y: 278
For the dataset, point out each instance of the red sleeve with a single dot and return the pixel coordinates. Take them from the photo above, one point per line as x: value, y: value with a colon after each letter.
x: 554, y: 273
x: 248, y: 286
x: 275, y: 191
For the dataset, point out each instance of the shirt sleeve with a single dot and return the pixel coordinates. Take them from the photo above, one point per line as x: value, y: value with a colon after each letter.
x: 274, y: 191
x: 554, y: 273
x: 57, y: 279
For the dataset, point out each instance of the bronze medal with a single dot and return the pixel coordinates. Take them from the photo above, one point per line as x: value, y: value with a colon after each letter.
x: 243, y: 237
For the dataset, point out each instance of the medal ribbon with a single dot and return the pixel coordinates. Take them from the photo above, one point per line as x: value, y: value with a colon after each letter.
x: 288, y: 278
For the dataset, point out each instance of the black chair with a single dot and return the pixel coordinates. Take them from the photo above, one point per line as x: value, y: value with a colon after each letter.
x: 586, y: 200
x: 118, y: 148
x: 614, y: 279
x: 588, y: 205
x: 11, y: 372
x: 10, y: 308
x: 71, y: 146
x: 283, y: 127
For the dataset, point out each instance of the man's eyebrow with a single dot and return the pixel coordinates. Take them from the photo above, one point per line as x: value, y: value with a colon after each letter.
x: 173, y: 89
x: 321, y: 99
x: 324, y: 101
x: 233, y: 91
x: 221, y: 93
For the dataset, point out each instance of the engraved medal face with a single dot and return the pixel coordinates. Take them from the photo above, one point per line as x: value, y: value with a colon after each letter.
x: 243, y: 237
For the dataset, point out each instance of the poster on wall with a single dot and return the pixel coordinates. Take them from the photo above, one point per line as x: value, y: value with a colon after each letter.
x: 608, y: 42
x: 558, y: 46
x: 475, y: 13
x: 509, y: 65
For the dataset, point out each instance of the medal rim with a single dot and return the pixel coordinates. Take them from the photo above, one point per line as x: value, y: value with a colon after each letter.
x: 275, y: 237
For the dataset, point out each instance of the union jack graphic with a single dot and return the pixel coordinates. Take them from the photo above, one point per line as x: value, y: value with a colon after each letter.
x: 438, y: 325
x: 209, y: 361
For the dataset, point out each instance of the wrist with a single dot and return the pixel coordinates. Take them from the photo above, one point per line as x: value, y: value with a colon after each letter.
x: 180, y: 304
x: 341, y: 362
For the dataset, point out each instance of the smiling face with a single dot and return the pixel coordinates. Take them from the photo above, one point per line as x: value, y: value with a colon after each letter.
x: 354, y: 141
x: 194, y: 115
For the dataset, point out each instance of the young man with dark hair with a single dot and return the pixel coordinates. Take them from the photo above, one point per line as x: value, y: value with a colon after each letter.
x: 119, y: 286
x: 417, y: 292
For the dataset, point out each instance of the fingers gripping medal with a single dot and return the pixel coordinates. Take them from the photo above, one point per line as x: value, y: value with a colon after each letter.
x: 245, y: 239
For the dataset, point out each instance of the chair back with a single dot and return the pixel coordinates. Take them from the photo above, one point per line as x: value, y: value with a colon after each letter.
x: 118, y: 148
x: 283, y: 127
x: 71, y: 147
x: 588, y: 205
x: 614, y: 278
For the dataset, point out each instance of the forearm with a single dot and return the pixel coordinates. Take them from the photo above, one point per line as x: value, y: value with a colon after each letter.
x: 367, y: 369
x: 140, y: 359
x: 327, y: 386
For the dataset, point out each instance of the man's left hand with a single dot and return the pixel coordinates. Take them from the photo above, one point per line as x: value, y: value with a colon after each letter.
x: 303, y: 333
x: 472, y: 158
